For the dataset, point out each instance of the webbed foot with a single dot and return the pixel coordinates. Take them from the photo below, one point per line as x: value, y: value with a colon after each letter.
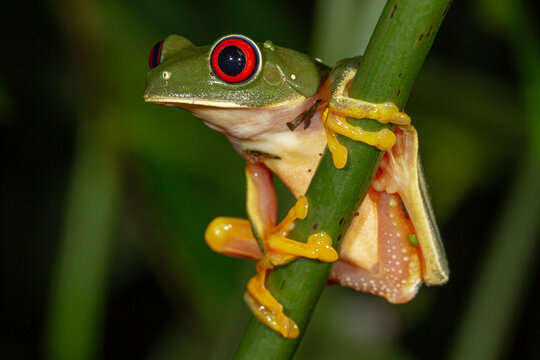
x: 264, y: 306
x: 281, y: 250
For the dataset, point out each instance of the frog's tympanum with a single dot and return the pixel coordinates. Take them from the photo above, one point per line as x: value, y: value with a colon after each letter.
x: 279, y: 109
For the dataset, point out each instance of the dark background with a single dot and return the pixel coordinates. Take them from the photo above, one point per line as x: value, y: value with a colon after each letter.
x: 105, y: 199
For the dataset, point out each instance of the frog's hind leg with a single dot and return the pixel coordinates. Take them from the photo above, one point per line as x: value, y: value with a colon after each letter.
x: 393, y: 245
x: 261, y: 206
x: 376, y: 255
x: 400, y: 172
x: 278, y: 248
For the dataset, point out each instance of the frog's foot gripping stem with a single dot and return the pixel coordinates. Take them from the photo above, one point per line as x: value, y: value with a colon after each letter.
x: 335, y: 122
x: 264, y: 306
x: 234, y: 237
x: 261, y: 207
x: 280, y: 250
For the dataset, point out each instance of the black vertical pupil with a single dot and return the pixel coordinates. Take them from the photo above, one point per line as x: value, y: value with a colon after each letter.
x: 231, y: 60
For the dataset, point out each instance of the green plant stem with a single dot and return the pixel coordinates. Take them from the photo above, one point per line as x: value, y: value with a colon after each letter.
x: 395, y: 53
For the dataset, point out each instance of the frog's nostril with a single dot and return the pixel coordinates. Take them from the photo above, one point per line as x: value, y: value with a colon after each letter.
x: 154, y: 58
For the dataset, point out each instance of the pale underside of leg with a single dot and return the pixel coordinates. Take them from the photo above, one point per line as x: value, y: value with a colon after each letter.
x: 377, y: 255
x: 379, y: 259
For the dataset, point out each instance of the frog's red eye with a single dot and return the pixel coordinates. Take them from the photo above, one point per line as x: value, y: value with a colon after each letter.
x: 235, y: 59
x: 154, y: 58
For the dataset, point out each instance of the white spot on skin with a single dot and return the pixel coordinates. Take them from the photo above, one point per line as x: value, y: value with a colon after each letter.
x: 166, y: 75
x: 293, y: 76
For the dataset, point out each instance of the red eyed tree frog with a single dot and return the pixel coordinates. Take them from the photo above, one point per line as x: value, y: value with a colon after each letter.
x: 279, y: 109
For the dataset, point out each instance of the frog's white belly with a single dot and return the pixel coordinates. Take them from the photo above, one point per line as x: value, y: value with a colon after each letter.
x: 292, y: 155
x: 300, y: 152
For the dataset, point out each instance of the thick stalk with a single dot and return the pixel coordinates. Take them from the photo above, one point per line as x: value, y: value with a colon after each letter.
x: 395, y: 53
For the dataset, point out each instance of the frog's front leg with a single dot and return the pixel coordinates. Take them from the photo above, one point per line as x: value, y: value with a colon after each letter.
x: 235, y: 237
x: 278, y: 249
x: 341, y: 106
x: 261, y: 207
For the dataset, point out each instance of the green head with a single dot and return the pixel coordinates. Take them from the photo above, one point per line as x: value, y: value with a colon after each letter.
x: 234, y: 72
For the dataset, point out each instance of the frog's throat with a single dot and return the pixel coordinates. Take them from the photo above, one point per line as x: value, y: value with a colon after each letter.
x: 291, y: 155
x: 244, y: 122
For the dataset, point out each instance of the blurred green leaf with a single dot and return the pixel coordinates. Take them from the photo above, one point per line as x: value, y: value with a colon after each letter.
x: 79, y: 288
x: 487, y: 323
x: 342, y: 28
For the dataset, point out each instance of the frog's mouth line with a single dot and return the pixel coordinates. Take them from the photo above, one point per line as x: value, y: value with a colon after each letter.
x: 185, y: 102
x: 179, y: 102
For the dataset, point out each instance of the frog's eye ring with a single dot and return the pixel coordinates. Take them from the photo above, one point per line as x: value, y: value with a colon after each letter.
x: 235, y: 59
x: 154, y: 58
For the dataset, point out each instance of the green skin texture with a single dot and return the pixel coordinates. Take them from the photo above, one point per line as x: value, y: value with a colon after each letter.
x: 192, y: 77
x: 333, y: 194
